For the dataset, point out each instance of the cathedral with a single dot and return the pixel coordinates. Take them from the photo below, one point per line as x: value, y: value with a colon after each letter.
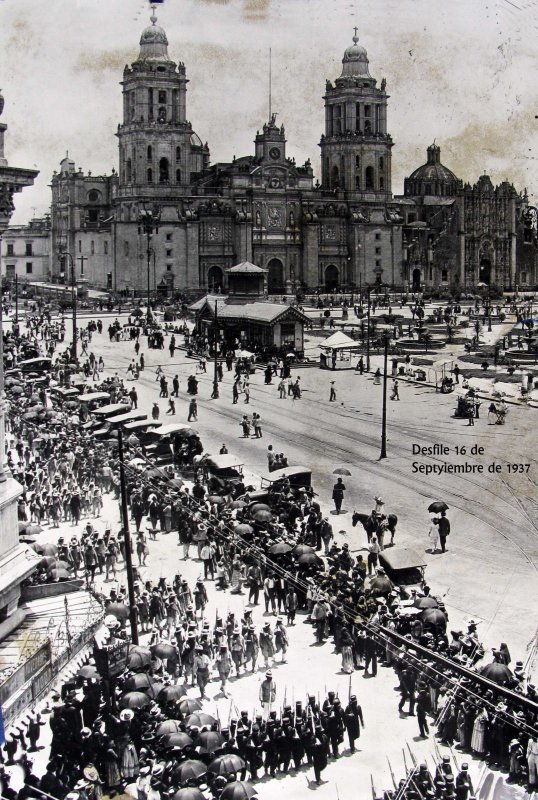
x: 264, y: 208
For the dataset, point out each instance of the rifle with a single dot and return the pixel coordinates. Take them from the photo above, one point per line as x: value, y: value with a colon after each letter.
x: 413, y: 759
x: 405, y: 761
x: 453, y: 758
x: 373, y: 787
x: 218, y: 718
x: 349, y: 691
x: 392, y: 774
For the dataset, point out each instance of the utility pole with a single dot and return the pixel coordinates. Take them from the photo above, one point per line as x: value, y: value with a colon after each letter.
x: 383, y: 453
x: 215, y: 392
x: 368, y: 290
x: 62, y: 255
x: 148, y: 223
x: 16, y: 321
x: 127, y: 541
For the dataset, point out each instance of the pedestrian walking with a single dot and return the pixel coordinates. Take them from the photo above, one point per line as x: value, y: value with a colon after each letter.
x: 171, y: 407
x: 444, y: 529
x: 338, y: 494
x: 332, y: 393
x: 395, y: 390
x: 155, y: 411
x: 193, y: 410
x: 257, y: 422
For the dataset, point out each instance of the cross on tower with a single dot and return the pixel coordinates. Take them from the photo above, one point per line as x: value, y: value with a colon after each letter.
x: 356, y: 36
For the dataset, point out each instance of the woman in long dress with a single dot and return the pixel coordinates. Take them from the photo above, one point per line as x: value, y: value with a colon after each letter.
x: 346, y: 645
x: 480, y: 727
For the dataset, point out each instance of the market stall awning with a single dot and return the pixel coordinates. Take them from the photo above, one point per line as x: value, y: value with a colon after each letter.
x: 339, y: 341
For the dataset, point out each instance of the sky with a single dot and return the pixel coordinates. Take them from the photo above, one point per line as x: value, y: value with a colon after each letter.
x: 462, y: 72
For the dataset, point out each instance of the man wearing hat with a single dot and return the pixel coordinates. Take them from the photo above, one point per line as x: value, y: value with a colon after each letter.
x: 268, y: 690
x: 463, y: 784
x: 353, y: 720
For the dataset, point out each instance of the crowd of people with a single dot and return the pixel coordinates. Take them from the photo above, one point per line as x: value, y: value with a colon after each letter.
x: 280, y: 550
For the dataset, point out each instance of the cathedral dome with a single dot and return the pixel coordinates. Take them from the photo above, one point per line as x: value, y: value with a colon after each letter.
x: 432, y: 178
x: 153, y: 43
x: 355, y: 61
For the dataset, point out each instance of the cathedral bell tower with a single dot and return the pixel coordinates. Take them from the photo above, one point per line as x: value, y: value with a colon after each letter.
x: 159, y: 153
x: 356, y: 148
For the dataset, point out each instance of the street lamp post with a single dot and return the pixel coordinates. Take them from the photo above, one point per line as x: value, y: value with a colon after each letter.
x: 368, y: 290
x: 148, y: 224
x: 74, y: 354
x: 215, y: 392
x: 383, y: 453
x: 127, y: 540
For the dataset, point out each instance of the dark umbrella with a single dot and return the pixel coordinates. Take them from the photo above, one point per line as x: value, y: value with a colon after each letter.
x: 139, y: 660
x: 164, y: 650
x: 27, y: 539
x: 135, y: 700
x: 137, y: 313
x: 301, y: 549
x: 88, y: 672
x: 381, y: 585
x: 243, y: 529
x: 155, y: 689
x: 498, y: 673
x: 199, y: 719
x: 17, y: 389
x: 437, y: 506
x: 216, y: 499
x: 279, y: 549
x: 341, y: 471
x: 168, y: 726
x: 188, y: 705
x: 23, y: 526
x: 427, y: 602
x: 46, y: 549
x: 263, y: 516
x: 189, y: 793
x: 172, y: 692
x: 255, y: 507
x: 237, y: 504
x: 175, y: 483
x: 33, y: 530
x: 118, y: 610
x: 307, y: 559
x: 139, y: 682
x: 238, y: 790
x: 209, y: 741
x: 189, y: 770
x: 434, y: 617
x: 59, y: 574
x: 227, y: 764
x: 178, y: 739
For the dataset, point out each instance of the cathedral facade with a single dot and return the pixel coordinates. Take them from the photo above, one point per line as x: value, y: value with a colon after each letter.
x: 348, y: 230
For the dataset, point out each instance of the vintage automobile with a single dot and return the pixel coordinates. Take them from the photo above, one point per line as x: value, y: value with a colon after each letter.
x: 225, y: 472
x: 273, y: 482
x: 405, y: 568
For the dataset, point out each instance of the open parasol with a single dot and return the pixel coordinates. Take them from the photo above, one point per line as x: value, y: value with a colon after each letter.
x: 227, y: 764
x: 341, y: 471
x: 199, y: 719
x: 189, y: 770
x: 135, y: 700
x: 280, y: 548
x: 168, y: 726
x: 172, y: 692
x: 437, y: 506
x: 263, y: 516
x: 189, y: 793
x: 178, y: 739
x: 238, y: 790
x: 188, y: 705
x: 209, y: 742
x: 308, y: 559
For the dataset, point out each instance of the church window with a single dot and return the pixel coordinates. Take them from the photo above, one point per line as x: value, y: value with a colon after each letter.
x: 357, y: 116
x: 381, y: 162
x: 367, y: 126
x: 357, y: 162
x: 367, y: 111
x: 378, y: 262
x: 369, y: 178
x: 162, y: 113
x: 150, y: 104
x: 128, y: 171
x: 381, y: 182
x: 523, y: 277
x: 428, y: 188
x: 178, y: 176
x: 29, y: 268
x: 105, y: 247
x: 444, y: 276
x: 150, y: 175
x: 169, y: 254
x: 162, y: 97
x: 168, y: 237
x: 164, y: 176
x: 79, y: 246
x: 92, y: 247
x: 125, y: 248
x: 335, y: 178
x: 357, y: 181
x: 178, y: 153
x: 378, y: 237
x: 150, y: 152
x: 378, y: 251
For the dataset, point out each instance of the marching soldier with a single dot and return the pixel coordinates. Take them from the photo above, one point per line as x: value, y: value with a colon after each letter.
x: 353, y: 720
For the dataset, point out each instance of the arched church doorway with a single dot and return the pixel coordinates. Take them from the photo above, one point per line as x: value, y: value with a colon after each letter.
x: 484, y: 272
x: 275, y: 277
x: 331, y: 278
x: 416, y: 279
x: 215, y: 279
